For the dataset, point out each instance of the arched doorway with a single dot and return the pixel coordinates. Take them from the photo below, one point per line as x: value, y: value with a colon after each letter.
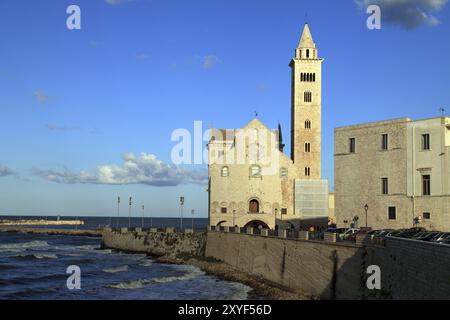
x: 257, y: 225
x: 253, y: 206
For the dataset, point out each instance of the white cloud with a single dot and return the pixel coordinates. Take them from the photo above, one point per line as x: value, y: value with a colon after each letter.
x: 210, y: 61
x: 55, y: 127
x: 407, y: 13
x: 5, y: 171
x: 143, y: 56
x: 41, y: 96
x: 116, y: 2
x: 143, y: 169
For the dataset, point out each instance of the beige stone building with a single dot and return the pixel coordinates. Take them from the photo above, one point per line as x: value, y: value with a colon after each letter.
x: 252, y: 182
x: 399, y: 168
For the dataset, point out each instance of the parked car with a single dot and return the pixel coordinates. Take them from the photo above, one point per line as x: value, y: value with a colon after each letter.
x: 363, y: 230
x: 347, y: 233
x: 409, y: 233
x: 441, y: 236
x: 427, y: 236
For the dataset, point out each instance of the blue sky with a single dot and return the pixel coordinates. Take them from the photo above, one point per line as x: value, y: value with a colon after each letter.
x: 74, y: 100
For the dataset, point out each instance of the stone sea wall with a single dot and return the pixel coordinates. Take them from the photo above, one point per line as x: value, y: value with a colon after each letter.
x: 156, y: 242
x: 409, y: 269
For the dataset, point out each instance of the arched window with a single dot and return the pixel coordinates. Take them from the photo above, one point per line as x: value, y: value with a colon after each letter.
x: 307, y: 77
x: 283, y: 172
x: 307, y: 172
x: 255, y: 170
x: 225, y: 172
x: 307, y: 147
x: 307, y: 53
x: 307, y: 124
x: 301, y: 77
x: 314, y: 77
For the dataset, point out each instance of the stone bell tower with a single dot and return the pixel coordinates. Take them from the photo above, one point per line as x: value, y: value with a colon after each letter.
x: 306, y: 108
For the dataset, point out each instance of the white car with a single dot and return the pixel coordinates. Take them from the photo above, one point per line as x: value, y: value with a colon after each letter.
x: 348, y: 233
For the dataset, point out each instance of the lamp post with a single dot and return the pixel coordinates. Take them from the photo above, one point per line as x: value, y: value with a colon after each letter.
x: 366, y: 208
x: 234, y: 218
x: 181, y: 209
x: 276, y: 211
x: 129, y: 213
x: 192, y: 212
x: 118, y: 208
x: 143, y: 210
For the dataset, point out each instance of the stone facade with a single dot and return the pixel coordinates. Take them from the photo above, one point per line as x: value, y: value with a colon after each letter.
x: 251, y: 180
x: 401, y: 164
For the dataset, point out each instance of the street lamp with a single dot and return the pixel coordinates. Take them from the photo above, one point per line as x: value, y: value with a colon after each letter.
x: 181, y: 209
x: 234, y: 219
x: 192, y: 212
x: 143, y: 208
x: 118, y: 208
x: 366, y: 208
x: 129, y: 213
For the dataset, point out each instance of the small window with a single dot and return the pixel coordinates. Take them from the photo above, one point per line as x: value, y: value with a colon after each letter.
x: 426, y: 185
x: 307, y: 124
x: 307, y: 53
x: 255, y: 171
x: 225, y: 172
x: 307, y: 96
x: 426, y: 216
x: 392, y: 212
x: 223, y: 210
x: 384, y: 186
x: 302, y: 77
x: 426, y: 141
x: 307, y: 172
x: 384, y: 142
x: 307, y: 147
x: 314, y: 77
x: 352, y: 143
x: 283, y: 172
x: 284, y: 211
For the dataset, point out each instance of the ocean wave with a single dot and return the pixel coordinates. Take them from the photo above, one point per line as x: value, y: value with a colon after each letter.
x: 116, y: 270
x: 241, y: 292
x: 146, y: 263
x: 36, y: 256
x: 138, y: 284
x: 185, y: 277
x: 135, y: 284
x: 88, y: 247
x: 22, y: 246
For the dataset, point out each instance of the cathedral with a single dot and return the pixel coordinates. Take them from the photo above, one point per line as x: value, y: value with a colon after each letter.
x: 252, y: 182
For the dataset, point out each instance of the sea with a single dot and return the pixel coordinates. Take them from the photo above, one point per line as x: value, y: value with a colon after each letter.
x: 34, y: 267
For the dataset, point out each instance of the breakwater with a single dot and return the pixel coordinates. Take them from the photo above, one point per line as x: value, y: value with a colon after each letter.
x: 48, y: 231
x: 40, y: 222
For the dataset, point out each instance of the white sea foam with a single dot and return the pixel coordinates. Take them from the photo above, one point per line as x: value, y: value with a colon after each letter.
x: 136, y: 284
x: 22, y: 246
x: 192, y: 273
x: 88, y: 247
x: 241, y: 293
x: 37, y: 256
x: 146, y: 263
x: 116, y: 270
